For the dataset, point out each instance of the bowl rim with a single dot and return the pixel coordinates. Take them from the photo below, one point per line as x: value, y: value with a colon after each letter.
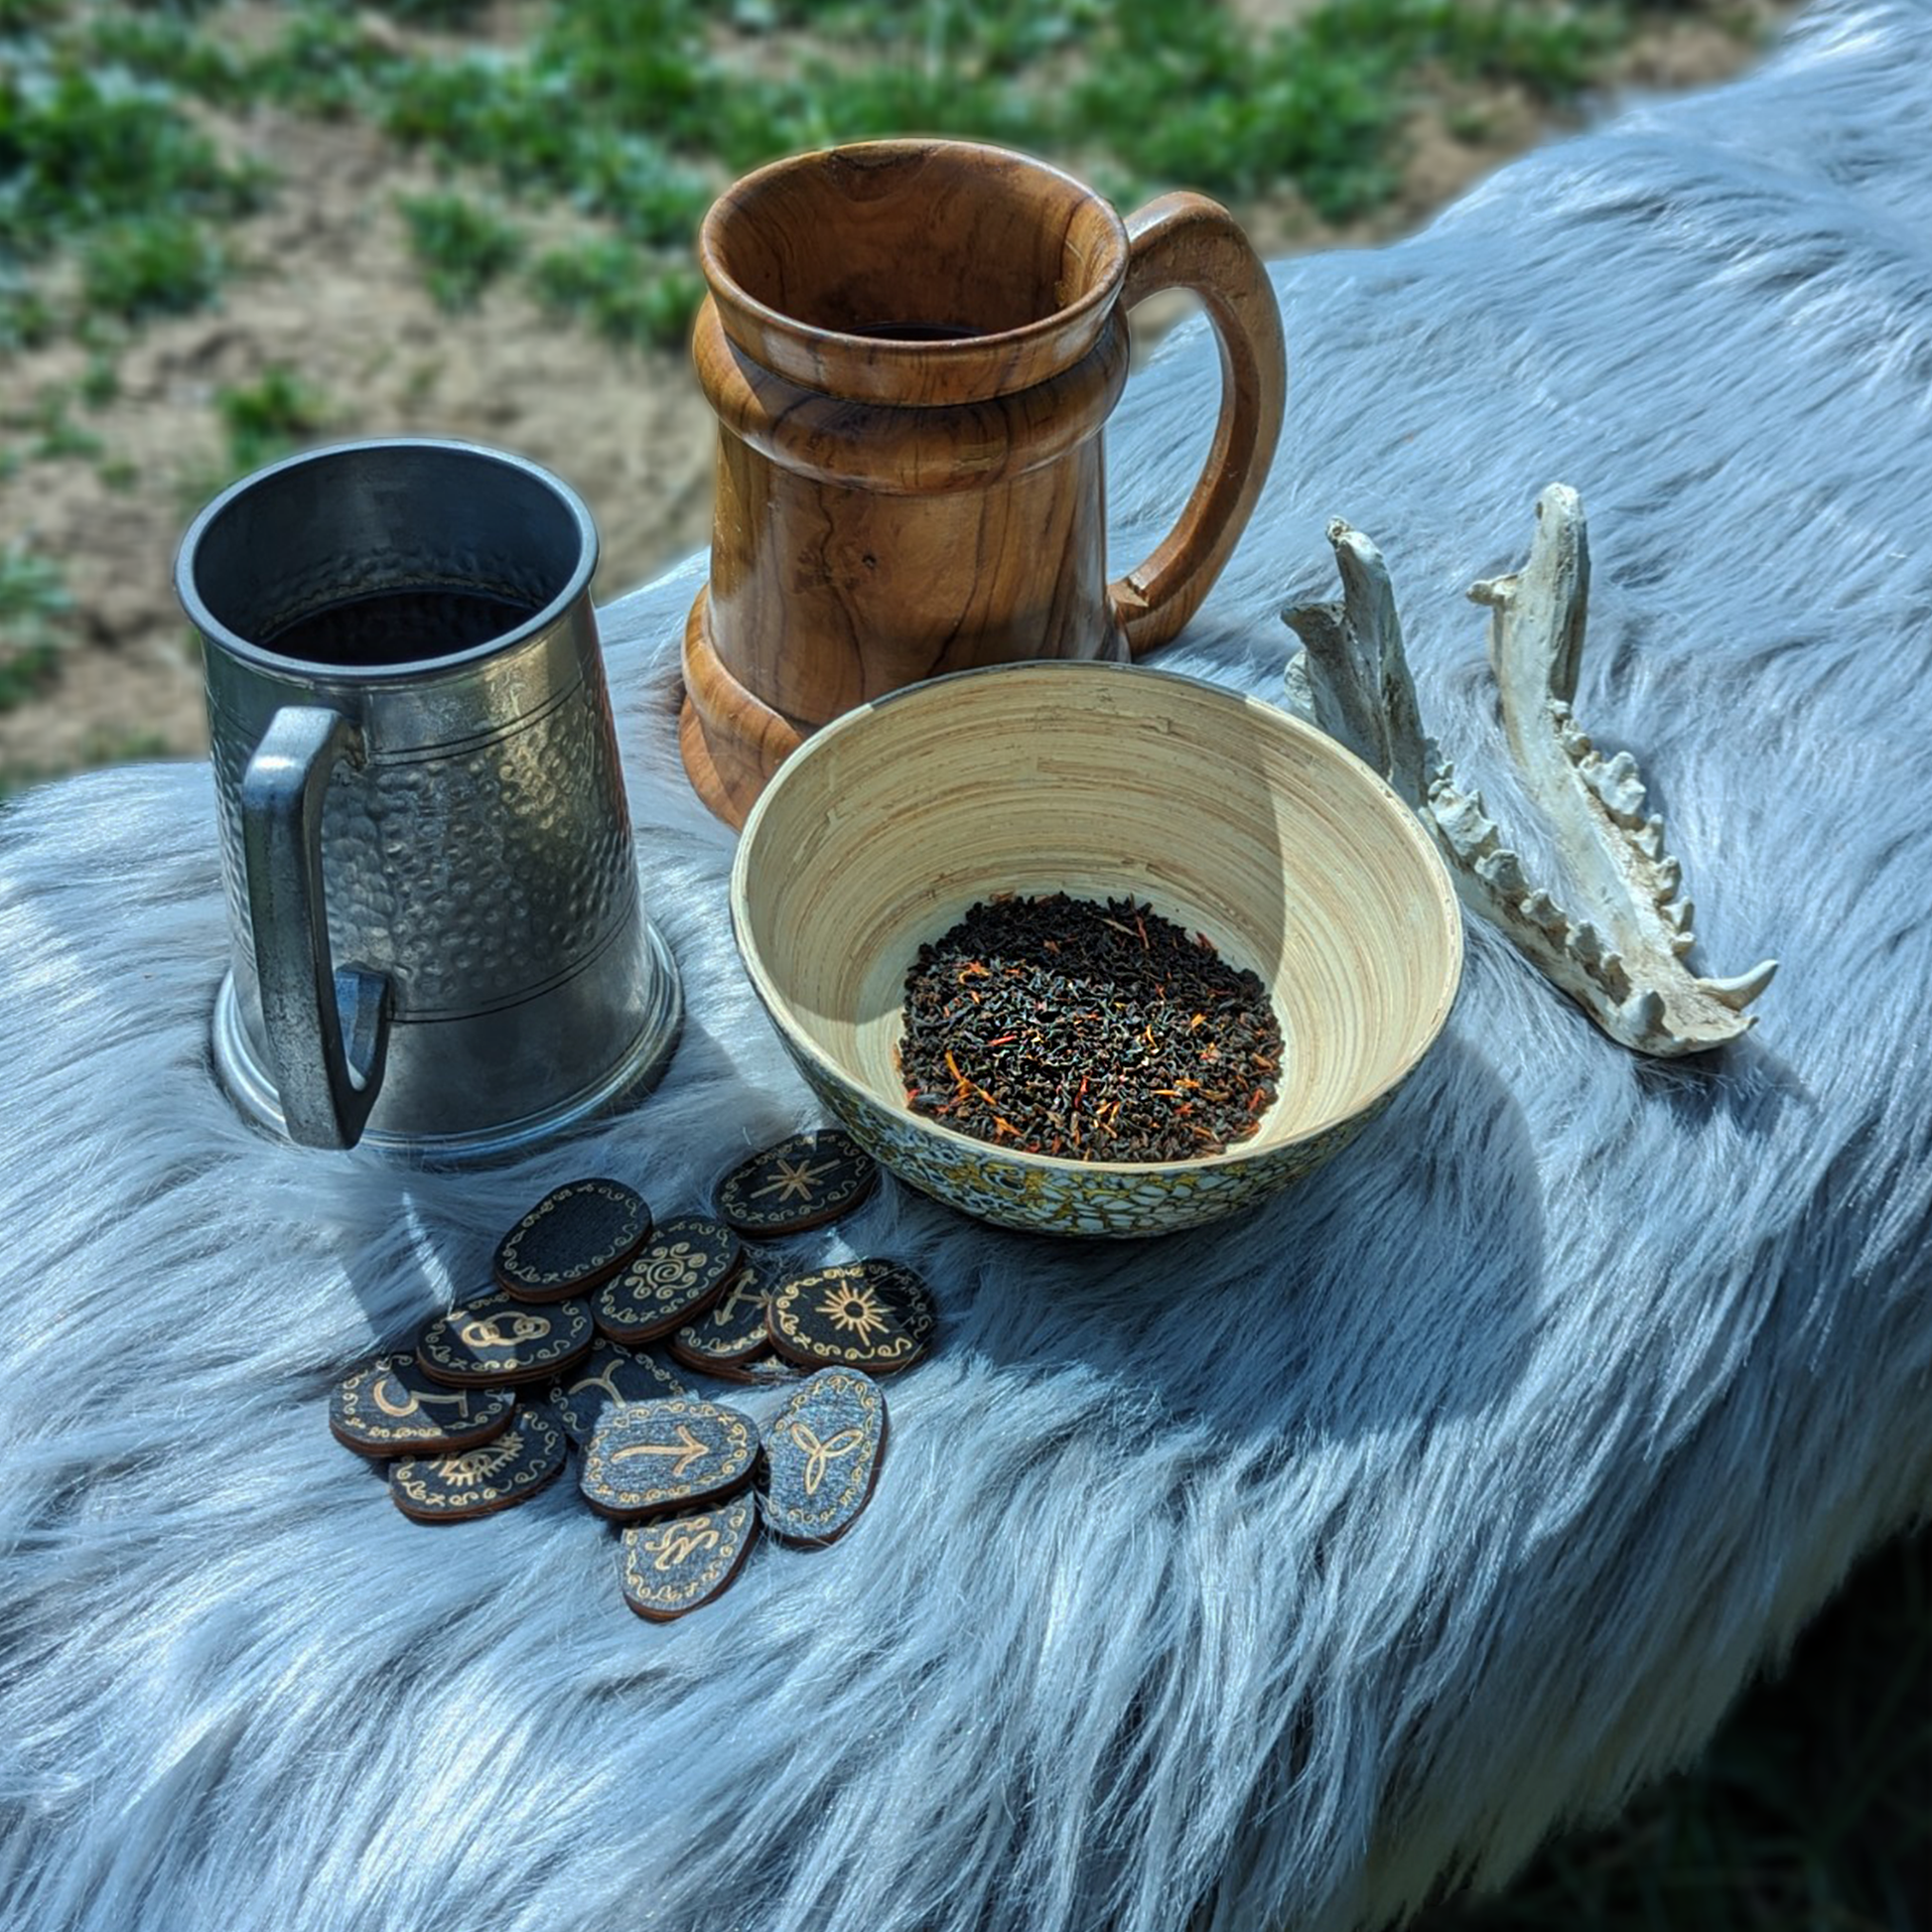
x: 969, y: 1145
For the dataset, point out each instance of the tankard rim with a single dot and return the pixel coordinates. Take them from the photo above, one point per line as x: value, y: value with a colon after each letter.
x: 264, y: 658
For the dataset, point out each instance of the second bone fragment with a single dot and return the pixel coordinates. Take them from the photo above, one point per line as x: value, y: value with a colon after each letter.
x: 1621, y: 955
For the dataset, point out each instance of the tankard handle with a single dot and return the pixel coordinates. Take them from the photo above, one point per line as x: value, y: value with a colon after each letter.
x: 328, y: 1027
x: 1187, y: 241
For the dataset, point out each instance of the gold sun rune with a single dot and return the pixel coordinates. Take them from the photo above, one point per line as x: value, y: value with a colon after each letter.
x: 856, y: 1309
x: 795, y: 1181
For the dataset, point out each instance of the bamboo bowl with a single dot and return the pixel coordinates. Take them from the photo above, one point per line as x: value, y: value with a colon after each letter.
x: 1231, y: 817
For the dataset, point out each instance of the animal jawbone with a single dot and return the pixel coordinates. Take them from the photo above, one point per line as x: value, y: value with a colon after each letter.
x: 1620, y: 952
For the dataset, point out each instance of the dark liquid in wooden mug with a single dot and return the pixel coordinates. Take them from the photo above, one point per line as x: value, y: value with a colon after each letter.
x: 400, y: 626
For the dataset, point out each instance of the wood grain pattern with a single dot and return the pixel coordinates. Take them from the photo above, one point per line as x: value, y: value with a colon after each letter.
x: 895, y: 507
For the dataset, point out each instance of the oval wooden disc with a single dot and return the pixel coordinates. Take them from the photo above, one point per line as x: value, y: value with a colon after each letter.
x: 609, y: 1375
x: 732, y: 1330
x: 821, y: 1456
x: 677, y: 1563
x: 800, y: 1183
x: 762, y: 1372
x: 495, y: 1341
x: 389, y: 1406
x: 654, y: 1458
x: 874, y: 1315
x: 481, y: 1481
x: 678, y: 1273
x: 575, y: 1237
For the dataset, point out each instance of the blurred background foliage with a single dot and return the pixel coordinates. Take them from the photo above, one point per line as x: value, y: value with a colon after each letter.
x: 563, y: 152
x: 126, y: 170
x: 636, y: 111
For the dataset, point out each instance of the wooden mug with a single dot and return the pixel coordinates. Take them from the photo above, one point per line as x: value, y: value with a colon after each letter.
x: 911, y: 346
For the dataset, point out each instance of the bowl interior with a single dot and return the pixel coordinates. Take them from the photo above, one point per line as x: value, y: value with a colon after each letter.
x: 1229, y: 816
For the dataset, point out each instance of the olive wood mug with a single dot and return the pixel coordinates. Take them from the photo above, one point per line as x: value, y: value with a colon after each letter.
x: 911, y: 348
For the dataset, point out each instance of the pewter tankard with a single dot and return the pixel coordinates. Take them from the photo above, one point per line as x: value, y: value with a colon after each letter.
x: 438, y: 942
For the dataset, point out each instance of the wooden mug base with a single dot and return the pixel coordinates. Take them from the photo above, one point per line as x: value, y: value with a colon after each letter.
x: 731, y: 740
x: 717, y: 795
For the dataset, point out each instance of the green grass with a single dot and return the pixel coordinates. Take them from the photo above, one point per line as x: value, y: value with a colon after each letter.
x: 524, y: 123
x: 460, y: 244
x: 102, y: 382
x: 625, y: 295
x: 82, y: 150
x: 635, y: 112
x: 154, y: 265
x: 19, y: 17
x: 27, y: 318
x: 32, y: 600
x: 269, y: 418
x: 100, y: 168
x: 324, y: 65
x: 59, y: 434
x: 171, y: 49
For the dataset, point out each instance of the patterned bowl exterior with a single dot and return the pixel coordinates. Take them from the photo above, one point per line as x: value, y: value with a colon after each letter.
x: 1041, y: 1196
x: 1280, y: 846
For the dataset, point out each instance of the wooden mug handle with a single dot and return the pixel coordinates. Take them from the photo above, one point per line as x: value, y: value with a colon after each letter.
x: 1188, y: 242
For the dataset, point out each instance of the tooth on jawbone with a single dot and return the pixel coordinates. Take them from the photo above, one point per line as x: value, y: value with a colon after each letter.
x: 1741, y: 991
x: 1542, y: 910
x: 1642, y: 1014
x: 1503, y: 872
x: 1621, y: 955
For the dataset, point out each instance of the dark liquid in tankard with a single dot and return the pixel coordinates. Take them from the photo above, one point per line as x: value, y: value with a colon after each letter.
x: 400, y: 626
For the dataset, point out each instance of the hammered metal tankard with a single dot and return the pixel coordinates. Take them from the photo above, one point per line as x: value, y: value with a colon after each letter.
x: 437, y: 936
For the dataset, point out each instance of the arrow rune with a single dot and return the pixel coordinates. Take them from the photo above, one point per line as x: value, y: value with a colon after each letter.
x: 687, y: 1448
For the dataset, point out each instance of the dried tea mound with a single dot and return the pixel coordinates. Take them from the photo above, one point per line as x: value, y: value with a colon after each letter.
x: 1099, y: 1033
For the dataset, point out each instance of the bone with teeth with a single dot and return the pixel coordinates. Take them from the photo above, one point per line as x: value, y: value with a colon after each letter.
x: 1621, y: 954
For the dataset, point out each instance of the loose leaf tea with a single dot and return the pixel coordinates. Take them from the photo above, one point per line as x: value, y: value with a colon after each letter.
x: 1099, y: 1033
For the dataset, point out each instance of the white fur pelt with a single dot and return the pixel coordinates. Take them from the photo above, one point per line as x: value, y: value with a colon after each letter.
x: 1274, y: 1573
